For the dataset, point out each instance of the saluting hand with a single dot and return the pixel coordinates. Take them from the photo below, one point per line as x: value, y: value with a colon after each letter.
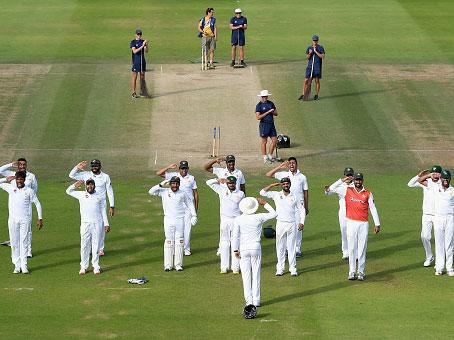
x: 82, y: 165
x: 261, y: 201
x: 78, y: 183
x: 10, y: 178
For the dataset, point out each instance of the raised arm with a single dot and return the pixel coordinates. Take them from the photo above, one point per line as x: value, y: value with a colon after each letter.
x: 209, y: 166
x: 162, y: 172
x: 214, y: 184
x: 76, y: 171
x: 414, y: 181
x: 5, y: 169
x: 158, y: 188
x: 264, y: 192
x: 423, y: 179
x: 71, y: 190
x: 272, y: 172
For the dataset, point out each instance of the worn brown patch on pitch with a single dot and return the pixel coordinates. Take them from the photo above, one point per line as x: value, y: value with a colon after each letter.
x: 438, y: 72
x: 188, y: 103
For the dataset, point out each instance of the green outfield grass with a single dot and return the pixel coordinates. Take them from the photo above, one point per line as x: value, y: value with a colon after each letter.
x: 385, y: 109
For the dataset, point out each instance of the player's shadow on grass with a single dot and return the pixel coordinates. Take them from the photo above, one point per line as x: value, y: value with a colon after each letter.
x: 171, y: 93
x: 353, y: 94
x: 340, y: 285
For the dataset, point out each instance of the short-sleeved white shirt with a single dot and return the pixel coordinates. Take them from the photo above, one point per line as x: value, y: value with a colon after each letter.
x: 287, y: 206
x: 187, y: 183
x: 298, y: 181
x: 224, y: 173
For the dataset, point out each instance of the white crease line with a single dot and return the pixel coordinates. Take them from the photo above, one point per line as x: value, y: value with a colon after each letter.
x: 128, y: 288
x: 19, y: 288
x: 268, y: 320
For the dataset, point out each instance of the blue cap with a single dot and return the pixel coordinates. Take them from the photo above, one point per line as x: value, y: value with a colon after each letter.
x: 138, y: 31
x: 315, y: 37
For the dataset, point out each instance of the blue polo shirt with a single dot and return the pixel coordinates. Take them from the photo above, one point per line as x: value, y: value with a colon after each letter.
x: 136, y: 56
x: 237, y: 22
x: 262, y: 108
x: 317, y: 60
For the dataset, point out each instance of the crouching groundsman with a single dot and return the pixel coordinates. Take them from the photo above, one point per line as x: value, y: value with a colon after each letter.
x: 247, y: 232
x: 92, y: 216
x: 174, y: 203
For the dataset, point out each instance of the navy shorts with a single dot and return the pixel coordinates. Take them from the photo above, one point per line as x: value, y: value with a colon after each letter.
x: 267, y: 130
x: 235, y: 40
x: 315, y: 74
x: 136, y: 67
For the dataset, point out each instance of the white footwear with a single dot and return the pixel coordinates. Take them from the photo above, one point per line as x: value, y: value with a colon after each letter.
x: 351, y: 276
x: 235, y: 271
x: 295, y: 273
x: 361, y: 277
x: 187, y: 253
x: 25, y: 270
x: 218, y: 253
x: 167, y: 269
x: 344, y: 256
x: 279, y: 273
x: 16, y: 271
x: 438, y: 273
x: 178, y: 268
x: 451, y: 272
x: 30, y: 255
x: 428, y: 262
x: 223, y: 271
x: 97, y: 271
x: 82, y: 271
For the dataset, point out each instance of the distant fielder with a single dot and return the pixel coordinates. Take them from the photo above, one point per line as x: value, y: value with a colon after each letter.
x: 138, y: 48
x: 238, y: 25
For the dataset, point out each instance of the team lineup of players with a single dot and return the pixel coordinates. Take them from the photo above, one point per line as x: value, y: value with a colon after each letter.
x: 240, y: 225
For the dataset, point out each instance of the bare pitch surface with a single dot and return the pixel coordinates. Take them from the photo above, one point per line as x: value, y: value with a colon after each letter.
x: 188, y: 103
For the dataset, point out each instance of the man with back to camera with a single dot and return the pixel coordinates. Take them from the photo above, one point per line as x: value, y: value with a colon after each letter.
x: 247, y: 233
x: 189, y: 186
x: 175, y: 202
x: 92, y: 215
x: 314, y: 55
x: 238, y: 25
x: 288, y: 217
x: 358, y: 202
x: 265, y: 110
x: 299, y: 187
x: 138, y: 48
x: 30, y: 182
x: 103, y: 187
x: 208, y: 32
x: 346, y: 181
x: 229, y: 200
x: 20, y: 199
x: 443, y: 195
x: 428, y: 207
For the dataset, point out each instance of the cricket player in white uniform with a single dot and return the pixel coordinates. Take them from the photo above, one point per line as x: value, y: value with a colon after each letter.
x: 299, y: 189
x: 103, y: 186
x: 346, y: 181
x: 174, y: 203
x: 229, y: 200
x: 20, y: 218
x: 189, y: 186
x: 92, y: 226
x: 358, y: 202
x: 229, y: 170
x: 443, y: 222
x: 288, y: 216
x: 30, y: 182
x: 247, y: 233
x: 428, y: 207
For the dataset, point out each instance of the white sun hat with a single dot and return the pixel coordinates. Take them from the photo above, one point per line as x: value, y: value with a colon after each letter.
x: 238, y: 10
x: 264, y: 93
x: 249, y: 205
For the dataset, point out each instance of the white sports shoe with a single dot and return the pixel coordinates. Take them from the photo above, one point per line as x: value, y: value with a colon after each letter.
x: 25, y: 270
x: 218, y: 253
x: 97, y: 271
x: 279, y: 273
x: 451, y: 272
x: 187, y: 253
x: 295, y: 273
x: 428, y: 262
x: 178, y: 268
x: 236, y: 271
x: 438, y: 273
x: 167, y: 269
x: 16, y: 271
x: 82, y: 271
x: 361, y: 277
x: 223, y: 271
x: 351, y: 276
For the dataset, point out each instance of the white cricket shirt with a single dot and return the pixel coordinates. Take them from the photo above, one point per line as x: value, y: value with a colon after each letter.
x: 229, y: 201
x: 30, y: 179
x: 224, y: 173
x: 91, y: 205
x: 187, y: 183
x: 444, y: 200
x: 298, y: 181
x: 428, y: 201
x: 102, y: 183
x: 287, y: 206
x: 20, y: 202
x: 174, y: 204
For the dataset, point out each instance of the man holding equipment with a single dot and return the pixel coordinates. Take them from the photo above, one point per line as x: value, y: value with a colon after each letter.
x: 189, y: 186
x: 174, y: 203
x: 314, y: 55
x: 229, y: 200
x: 208, y: 32
x: 138, y: 49
x: 238, y: 25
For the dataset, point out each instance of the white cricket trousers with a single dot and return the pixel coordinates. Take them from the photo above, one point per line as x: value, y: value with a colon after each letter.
x: 226, y: 228
x: 106, y: 223
x: 250, y: 262
x: 343, y: 230
x: 286, y: 240
x: 18, y: 232
x: 174, y: 242
x: 90, y: 233
x: 427, y: 223
x: 187, y: 230
x: 444, y: 242
x: 357, y: 245
x: 299, y: 233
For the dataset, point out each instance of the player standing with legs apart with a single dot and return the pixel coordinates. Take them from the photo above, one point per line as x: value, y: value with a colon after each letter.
x: 288, y: 217
x: 229, y: 170
x: 189, y: 186
x: 229, y: 200
x: 208, y: 32
x: 346, y: 181
x: 314, y: 55
x: 92, y: 217
x: 299, y: 188
x: 443, y: 195
x: 30, y: 182
x: 265, y: 111
x: 20, y: 218
x: 103, y: 187
x: 238, y: 25
x: 138, y: 48
x: 174, y: 203
x: 428, y: 207
x: 247, y: 233
x: 358, y: 202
